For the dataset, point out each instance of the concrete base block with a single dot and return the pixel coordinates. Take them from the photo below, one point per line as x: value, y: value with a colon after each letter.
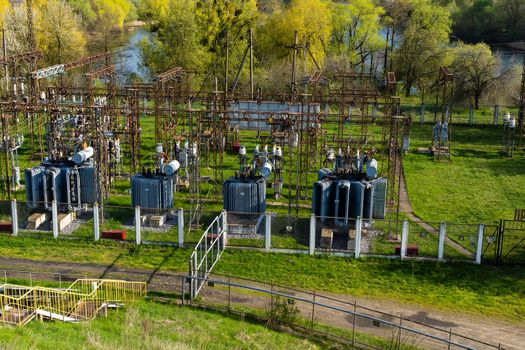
x: 327, y: 236
x: 143, y: 219
x: 36, y: 219
x: 157, y: 220
x: 65, y: 219
x: 350, y: 245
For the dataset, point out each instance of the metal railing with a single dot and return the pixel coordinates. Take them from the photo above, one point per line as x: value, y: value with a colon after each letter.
x: 317, y: 310
x: 207, y: 252
x: 83, y: 300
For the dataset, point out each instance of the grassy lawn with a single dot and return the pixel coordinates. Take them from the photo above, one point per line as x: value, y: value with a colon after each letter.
x: 149, y: 325
x: 466, y: 287
x: 104, y: 252
x: 477, y: 185
x: 448, y: 286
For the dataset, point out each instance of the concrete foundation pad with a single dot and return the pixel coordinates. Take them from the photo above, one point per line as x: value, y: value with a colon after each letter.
x: 157, y: 220
x: 143, y: 219
x: 36, y: 219
x: 65, y: 219
x: 327, y: 236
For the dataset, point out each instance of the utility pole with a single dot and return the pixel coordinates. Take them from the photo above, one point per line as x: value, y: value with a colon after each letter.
x: 251, y: 63
x: 293, y: 61
x: 30, y: 26
x: 521, y: 112
x: 6, y: 70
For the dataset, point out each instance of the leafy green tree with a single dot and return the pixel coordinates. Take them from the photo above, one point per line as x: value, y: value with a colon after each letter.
x: 510, y: 15
x: 176, y: 41
x: 355, y: 30
x: 475, y: 21
x: 423, y: 44
x: 59, y: 32
x: 312, y: 21
x: 475, y: 70
x: 110, y: 15
x: 85, y: 10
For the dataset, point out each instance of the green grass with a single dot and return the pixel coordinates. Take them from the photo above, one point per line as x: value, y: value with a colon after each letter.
x: 149, y: 325
x: 488, y: 290
x: 104, y: 252
x: 449, y: 286
x: 477, y: 185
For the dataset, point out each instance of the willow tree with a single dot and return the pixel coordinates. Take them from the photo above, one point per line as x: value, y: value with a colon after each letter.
x: 423, y: 44
x: 356, y: 30
x: 59, y: 32
x: 475, y: 68
x: 311, y: 19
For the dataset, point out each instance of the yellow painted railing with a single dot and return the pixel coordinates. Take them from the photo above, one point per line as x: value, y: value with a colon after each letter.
x: 83, y: 300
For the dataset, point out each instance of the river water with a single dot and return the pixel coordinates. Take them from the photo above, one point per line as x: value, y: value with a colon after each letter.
x: 131, y: 60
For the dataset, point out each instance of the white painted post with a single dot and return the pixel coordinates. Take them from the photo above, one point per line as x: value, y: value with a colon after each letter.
x: 14, y: 217
x: 225, y: 227
x: 96, y: 223
x: 357, y: 247
x: 54, y: 218
x: 180, y: 223
x: 479, y: 248
x: 312, y: 234
x: 496, y: 114
x: 471, y: 115
x: 422, y: 114
x: 268, y: 231
x: 137, y: 225
x: 404, y: 239
x: 441, y: 240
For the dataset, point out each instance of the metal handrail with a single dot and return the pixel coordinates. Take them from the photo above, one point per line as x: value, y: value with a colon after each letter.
x: 218, y: 243
x: 64, y: 303
x: 446, y: 341
x: 354, y: 304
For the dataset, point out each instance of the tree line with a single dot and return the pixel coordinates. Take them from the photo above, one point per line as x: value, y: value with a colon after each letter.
x: 413, y: 38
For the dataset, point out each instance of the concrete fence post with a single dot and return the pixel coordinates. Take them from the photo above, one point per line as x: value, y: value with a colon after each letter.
x: 496, y: 114
x: 312, y: 234
x: 267, y: 231
x: 180, y: 225
x: 137, y: 225
x: 471, y: 115
x: 422, y: 114
x: 357, y: 242
x: 404, y: 239
x: 14, y: 218
x: 54, y: 218
x: 225, y: 226
x: 441, y: 239
x: 96, y: 222
x: 479, y: 247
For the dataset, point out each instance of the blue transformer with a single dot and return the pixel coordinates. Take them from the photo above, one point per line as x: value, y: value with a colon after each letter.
x: 244, y: 195
x: 346, y: 198
x: 152, y: 191
x: 68, y: 184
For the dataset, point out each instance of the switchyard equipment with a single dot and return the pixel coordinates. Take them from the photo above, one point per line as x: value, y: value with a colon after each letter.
x: 153, y: 190
x: 509, y: 135
x: 336, y: 111
x: 71, y: 182
x: 350, y: 190
x: 244, y: 194
x: 441, y: 131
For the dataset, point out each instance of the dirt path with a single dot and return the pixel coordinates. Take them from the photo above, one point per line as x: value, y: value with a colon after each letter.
x: 494, y: 331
